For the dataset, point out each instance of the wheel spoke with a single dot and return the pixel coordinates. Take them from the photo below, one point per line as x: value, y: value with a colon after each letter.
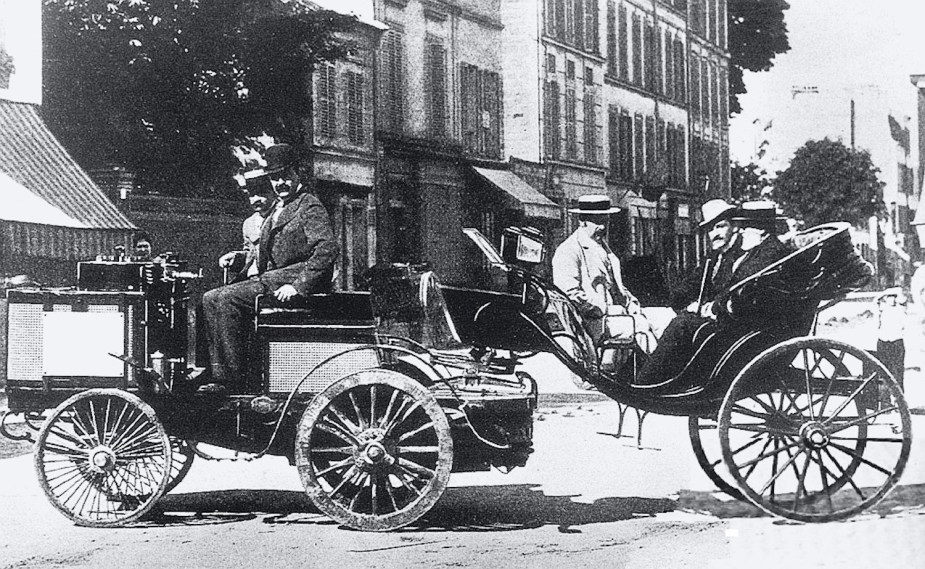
x: 408, y: 435
x: 760, y: 428
x: 843, y: 472
x: 830, y: 383
x: 754, y: 465
x: 332, y: 428
x: 782, y: 470
x: 339, y: 465
x: 346, y: 424
x: 824, y: 474
x: 418, y: 449
x: 333, y: 450
x: 842, y: 426
x: 372, y: 404
x: 416, y: 468
x: 356, y: 409
x: 745, y: 411
x: 801, y: 484
x: 851, y: 397
x: 388, y: 410
x: 347, y: 476
x: 859, y: 457
x: 807, y: 373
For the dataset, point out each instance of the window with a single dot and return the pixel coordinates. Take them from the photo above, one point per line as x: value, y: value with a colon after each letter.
x: 589, y: 76
x: 680, y: 90
x: 723, y: 95
x: 637, y: 50
x: 638, y: 147
x: 612, y: 39
x: 625, y: 166
x: 436, y: 90
x: 355, y: 96
x: 326, y: 106
x: 721, y: 20
x: 669, y: 66
x: 480, y: 100
x: 613, y: 140
x: 650, y: 56
x: 392, y: 96
x: 711, y: 19
x: 651, y: 145
x: 552, y: 119
x: 571, y: 136
x: 570, y: 70
x: 591, y: 40
x: 590, y: 124
x: 550, y: 63
x: 624, y: 43
x: 577, y: 38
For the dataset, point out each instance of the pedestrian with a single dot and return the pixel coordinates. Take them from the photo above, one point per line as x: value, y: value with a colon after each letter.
x: 891, y: 323
x: 588, y: 272
x: 296, y: 255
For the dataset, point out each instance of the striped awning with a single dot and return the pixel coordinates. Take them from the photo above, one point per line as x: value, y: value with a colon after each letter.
x: 521, y: 195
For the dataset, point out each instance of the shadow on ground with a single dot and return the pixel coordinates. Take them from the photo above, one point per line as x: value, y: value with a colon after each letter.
x: 483, y: 508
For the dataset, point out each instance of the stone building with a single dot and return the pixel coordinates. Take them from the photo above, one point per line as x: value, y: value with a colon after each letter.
x: 627, y: 98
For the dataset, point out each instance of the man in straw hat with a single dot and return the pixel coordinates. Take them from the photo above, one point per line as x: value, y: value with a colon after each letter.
x: 585, y: 269
x: 758, y: 222
x: 695, y: 293
x: 295, y: 256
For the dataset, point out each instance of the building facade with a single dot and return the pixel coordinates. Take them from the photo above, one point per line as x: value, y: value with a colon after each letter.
x: 627, y: 98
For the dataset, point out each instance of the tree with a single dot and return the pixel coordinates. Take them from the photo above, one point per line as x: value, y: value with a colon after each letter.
x: 167, y: 88
x: 757, y: 33
x: 827, y: 181
x: 749, y: 182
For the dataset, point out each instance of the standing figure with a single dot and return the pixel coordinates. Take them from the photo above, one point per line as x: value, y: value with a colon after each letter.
x: 296, y: 255
x: 588, y: 272
x: 891, y: 319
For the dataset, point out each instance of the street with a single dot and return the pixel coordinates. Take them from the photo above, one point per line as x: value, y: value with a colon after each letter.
x: 586, y: 498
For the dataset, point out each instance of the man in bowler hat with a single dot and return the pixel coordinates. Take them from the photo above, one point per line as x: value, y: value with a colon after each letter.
x: 296, y: 255
x: 728, y: 313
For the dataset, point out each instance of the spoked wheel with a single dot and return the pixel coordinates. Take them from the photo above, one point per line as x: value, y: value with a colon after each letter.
x: 815, y: 430
x: 103, y: 458
x: 704, y: 433
x: 374, y: 450
x: 181, y: 462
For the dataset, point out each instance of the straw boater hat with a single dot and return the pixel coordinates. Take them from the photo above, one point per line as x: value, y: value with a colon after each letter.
x: 715, y: 210
x: 594, y: 204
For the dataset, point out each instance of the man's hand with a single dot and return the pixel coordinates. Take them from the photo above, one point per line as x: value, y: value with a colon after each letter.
x: 707, y: 310
x: 285, y: 293
x: 227, y: 259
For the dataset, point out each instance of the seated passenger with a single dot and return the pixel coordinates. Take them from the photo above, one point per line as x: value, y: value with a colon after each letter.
x: 586, y: 270
x: 761, y: 248
x: 296, y: 255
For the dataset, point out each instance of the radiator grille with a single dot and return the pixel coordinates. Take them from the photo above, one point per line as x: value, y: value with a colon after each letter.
x: 25, y: 342
x: 290, y: 361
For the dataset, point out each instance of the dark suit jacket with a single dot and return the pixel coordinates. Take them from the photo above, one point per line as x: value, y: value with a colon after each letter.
x: 298, y: 248
x: 688, y: 290
x: 758, y: 309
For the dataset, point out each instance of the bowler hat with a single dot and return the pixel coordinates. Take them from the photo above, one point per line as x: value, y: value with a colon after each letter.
x: 279, y: 157
x: 594, y: 204
x: 758, y: 214
x: 715, y: 210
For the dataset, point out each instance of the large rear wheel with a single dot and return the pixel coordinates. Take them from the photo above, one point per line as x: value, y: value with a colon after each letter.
x: 103, y: 458
x: 374, y: 450
x: 815, y: 430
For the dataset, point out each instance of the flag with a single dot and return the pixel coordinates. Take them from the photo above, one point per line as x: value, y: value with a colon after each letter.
x: 899, y: 133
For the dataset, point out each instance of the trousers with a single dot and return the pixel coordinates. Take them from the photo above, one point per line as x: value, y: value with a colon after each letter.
x: 229, y: 313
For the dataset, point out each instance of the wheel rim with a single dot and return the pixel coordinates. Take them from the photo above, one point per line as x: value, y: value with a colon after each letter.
x: 704, y: 434
x: 815, y: 430
x: 181, y: 462
x: 374, y: 450
x: 103, y: 458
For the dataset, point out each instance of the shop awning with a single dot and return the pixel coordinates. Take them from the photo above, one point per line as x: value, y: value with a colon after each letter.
x: 521, y: 194
x: 22, y: 206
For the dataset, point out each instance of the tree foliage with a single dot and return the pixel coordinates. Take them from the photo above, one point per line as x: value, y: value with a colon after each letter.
x: 827, y: 181
x: 749, y: 182
x: 757, y: 33
x: 166, y: 88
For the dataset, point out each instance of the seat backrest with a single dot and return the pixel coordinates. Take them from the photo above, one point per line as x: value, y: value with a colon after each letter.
x: 409, y: 303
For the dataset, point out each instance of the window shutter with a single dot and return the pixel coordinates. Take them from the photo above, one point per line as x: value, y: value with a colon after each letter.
x: 436, y: 90
x: 393, y: 78
x: 355, y: 97
x: 326, y: 109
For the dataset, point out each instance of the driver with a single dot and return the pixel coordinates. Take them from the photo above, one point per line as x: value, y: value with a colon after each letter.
x: 758, y: 221
x: 296, y: 256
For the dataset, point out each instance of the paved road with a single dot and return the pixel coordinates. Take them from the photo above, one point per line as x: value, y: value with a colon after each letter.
x: 586, y: 498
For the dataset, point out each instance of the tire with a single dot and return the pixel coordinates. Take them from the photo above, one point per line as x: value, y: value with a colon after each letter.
x: 705, y: 441
x: 103, y: 458
x: 815, y: 430
x: 374, y: 450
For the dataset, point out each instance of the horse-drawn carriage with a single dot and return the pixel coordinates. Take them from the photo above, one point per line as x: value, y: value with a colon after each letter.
x: 376, y: 397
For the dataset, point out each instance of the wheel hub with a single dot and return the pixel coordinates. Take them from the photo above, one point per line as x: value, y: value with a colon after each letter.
x: 814, y: 435
x: 374, y: 451
x: 102, y: 459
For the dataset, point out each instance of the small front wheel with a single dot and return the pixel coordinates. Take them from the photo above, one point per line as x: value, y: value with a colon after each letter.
x: 374, y: 450
x: 103, y: 458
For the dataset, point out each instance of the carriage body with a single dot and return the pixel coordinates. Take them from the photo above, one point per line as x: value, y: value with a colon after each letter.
x: 377, y: 396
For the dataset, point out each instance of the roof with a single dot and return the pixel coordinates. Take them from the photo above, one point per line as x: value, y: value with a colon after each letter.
x: 33, y: 158
x: 21, y: 205
x: 526, y: 198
